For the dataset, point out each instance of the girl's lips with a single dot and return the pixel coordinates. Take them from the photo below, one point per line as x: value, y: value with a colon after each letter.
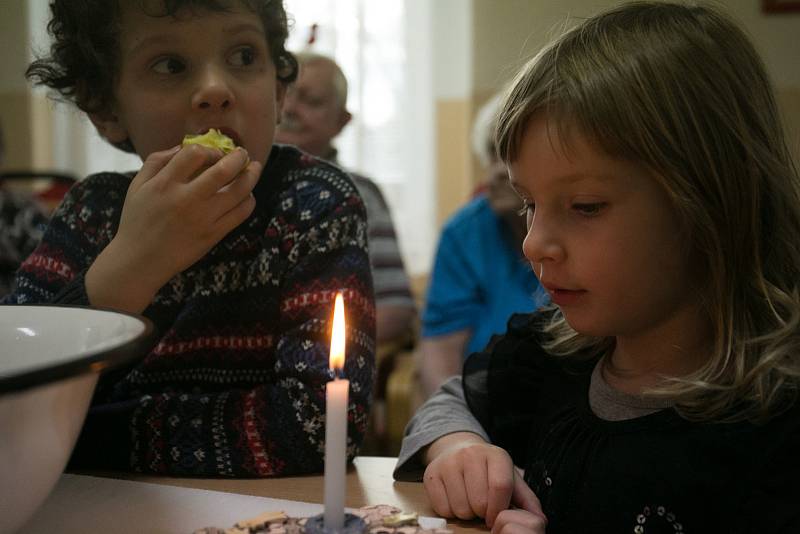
x: 564, y: 297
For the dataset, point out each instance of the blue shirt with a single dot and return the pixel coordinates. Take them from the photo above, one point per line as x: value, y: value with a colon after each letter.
x: 479, y: 277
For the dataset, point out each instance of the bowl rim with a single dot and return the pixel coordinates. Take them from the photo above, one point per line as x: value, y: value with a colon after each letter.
x: 92, y: 362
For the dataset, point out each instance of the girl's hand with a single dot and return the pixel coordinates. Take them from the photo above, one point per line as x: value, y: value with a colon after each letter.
x: 467, y: 477
x: 181, y: 203
x: 519, y: 522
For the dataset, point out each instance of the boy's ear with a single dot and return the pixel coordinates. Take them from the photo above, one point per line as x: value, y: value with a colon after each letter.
x: 109, y: 127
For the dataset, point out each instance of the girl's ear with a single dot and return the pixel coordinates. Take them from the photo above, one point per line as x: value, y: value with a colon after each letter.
x: 109, y: 127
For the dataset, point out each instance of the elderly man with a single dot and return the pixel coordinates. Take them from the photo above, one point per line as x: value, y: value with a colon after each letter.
x: 479, y: 277
x: 314, y: 112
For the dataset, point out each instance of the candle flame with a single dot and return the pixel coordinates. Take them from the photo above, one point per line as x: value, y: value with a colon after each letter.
x: 337, y: 334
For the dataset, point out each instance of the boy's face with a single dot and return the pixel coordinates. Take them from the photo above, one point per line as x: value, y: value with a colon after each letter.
x: 604, y: 239
x: 204, y: 69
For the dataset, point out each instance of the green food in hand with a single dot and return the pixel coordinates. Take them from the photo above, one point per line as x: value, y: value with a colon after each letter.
x: 213, y: 138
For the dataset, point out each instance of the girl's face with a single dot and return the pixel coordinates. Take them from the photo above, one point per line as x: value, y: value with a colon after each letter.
x: 204, y: 69
x: 603, y: 238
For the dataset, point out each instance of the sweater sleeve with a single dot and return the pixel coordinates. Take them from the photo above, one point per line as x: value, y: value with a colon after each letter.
x: 444, y: 413
x: 467, y: 403
x: 257, y: 412
x: 392, y: 286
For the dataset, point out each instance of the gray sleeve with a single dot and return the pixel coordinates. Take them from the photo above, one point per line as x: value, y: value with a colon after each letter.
x: 389, y: 276
x: 444, y: 413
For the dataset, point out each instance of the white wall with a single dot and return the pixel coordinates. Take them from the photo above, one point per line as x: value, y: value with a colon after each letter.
x: 451, y: 42
x: 415, y: 222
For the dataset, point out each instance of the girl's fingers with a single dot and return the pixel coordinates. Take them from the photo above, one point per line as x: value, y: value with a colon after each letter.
x: 519, y: 522
x: 525, y: 499
x: 500, y: 486
x: 475, y: 481
x: 437, y: 495
x: 454, y: 485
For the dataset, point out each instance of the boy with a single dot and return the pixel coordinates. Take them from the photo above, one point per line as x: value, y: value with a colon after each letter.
x: 235, y: 258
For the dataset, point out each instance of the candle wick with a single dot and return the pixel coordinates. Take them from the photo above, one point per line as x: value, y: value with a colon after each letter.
x: 336, y: 373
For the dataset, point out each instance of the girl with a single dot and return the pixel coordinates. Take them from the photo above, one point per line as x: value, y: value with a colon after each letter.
x: 663, y: 219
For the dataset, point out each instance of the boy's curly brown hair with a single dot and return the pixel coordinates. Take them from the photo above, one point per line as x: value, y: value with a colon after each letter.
x: 83, y: 64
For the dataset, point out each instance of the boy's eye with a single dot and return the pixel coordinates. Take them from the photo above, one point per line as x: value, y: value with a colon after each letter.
x: 169, y: 65
x: 589, y: 209
x: 243, y: 56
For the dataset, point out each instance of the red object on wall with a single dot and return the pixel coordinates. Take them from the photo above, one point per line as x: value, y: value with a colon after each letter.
x: 780, y: 6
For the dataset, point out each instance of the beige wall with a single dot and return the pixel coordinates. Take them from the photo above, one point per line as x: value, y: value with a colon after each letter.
x: 789, y: 103
x: 505, y: 33
x: 15, y: 118
x: 775, y: 36
x: 498, y: 44
x: 25, y: 115
x: 15, y: 106
x: 454, y: 164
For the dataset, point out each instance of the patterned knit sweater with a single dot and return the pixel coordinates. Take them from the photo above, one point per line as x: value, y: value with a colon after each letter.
x: 235, y: 385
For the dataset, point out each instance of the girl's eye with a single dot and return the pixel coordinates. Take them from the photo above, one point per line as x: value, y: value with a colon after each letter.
x: 589, y: 209
x: 169, y: 65
x: 243, y: 57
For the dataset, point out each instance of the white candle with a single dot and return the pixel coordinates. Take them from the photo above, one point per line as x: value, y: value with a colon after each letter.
x: 336, y: 392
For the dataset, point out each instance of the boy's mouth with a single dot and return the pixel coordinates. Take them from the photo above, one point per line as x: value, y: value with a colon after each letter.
x: 224, y: 130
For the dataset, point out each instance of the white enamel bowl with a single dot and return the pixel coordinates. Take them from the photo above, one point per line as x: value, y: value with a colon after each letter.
x: 50, y: 357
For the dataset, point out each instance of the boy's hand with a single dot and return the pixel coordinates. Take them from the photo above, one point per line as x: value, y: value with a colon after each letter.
x: 467, y: 477
x: 180, y: 204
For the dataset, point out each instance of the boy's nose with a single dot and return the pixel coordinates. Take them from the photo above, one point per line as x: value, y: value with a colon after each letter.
x: 213, y: 91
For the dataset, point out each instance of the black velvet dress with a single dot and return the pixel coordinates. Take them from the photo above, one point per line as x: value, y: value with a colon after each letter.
x: 653, y: 474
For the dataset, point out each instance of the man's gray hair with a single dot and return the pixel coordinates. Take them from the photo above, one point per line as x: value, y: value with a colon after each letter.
x: 483, y: 130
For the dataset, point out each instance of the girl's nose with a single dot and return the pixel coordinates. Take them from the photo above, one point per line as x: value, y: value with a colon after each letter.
x: 213, y: 91
x: 542, y: 243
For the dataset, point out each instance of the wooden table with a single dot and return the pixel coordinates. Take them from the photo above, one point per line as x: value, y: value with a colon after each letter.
x: 369, y: 482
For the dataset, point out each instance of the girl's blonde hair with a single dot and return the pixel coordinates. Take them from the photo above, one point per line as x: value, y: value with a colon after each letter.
x: 681, y: 90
